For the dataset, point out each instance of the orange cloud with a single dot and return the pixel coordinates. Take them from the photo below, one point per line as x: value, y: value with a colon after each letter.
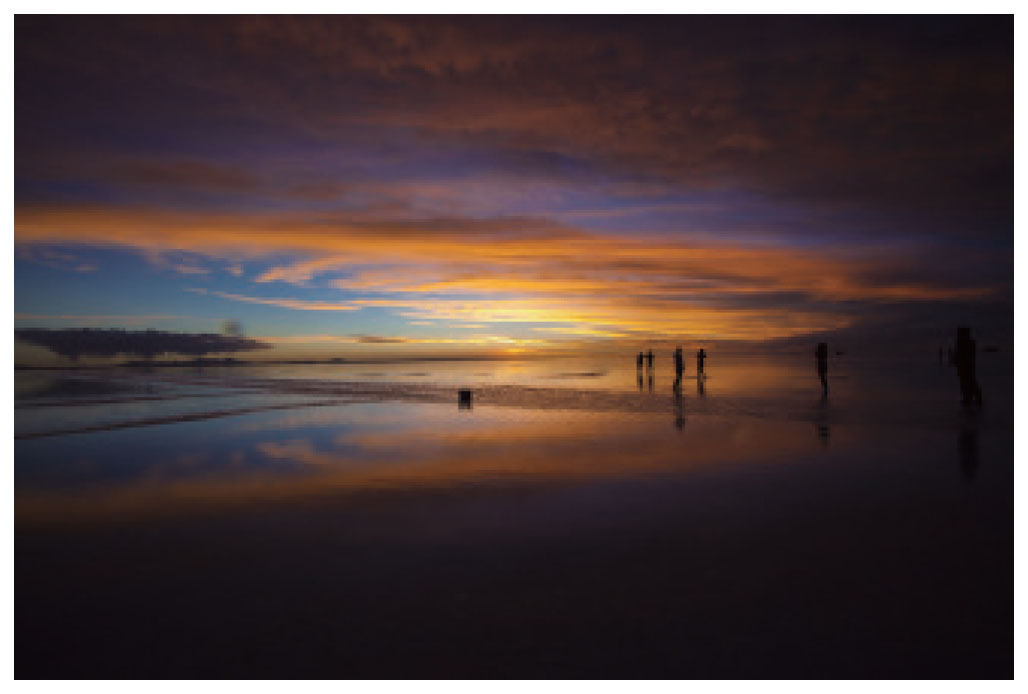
x: 520, y: 270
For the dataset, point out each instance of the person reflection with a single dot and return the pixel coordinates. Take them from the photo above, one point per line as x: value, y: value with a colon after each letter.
x: 965, y: 357
x: 821, y: 422
x: 821, y: 353
x: 701, y: 388
x: 679, y: 414
x: 649, y: 381
x: 967, y: 446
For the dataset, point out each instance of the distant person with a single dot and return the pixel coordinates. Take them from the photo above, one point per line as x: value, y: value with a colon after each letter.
x: 822, y: 365
x: 649, y: 359
x: 965, y: 357
x: 679, y: 363
x: 700, y: 357
x: 639, y: 361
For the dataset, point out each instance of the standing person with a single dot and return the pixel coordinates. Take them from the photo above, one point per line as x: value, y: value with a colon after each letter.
x: 639, y: 361
x: 700, y: 357
x: 965, y: 356
x: 822, y: 365
x: 649, y: 359
x: 679, y: 362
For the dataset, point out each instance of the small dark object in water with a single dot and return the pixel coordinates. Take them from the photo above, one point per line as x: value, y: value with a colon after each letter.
x: 464, y: 397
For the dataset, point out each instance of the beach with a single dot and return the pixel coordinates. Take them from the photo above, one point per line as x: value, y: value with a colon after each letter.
x: 353, y: 521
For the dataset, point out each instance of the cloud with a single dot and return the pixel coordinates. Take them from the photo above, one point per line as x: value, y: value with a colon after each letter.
x: 502, y: 170
x: 190, y: 269
x: 531, y: 270
x: 195, y: 174
x: 908, y: 114
x: 296, y: 304
x: 96, y: 319
x: 58, y: 259
x: 480, y: 340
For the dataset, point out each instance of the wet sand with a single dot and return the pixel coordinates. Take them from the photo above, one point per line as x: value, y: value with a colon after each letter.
x: 388, y: 536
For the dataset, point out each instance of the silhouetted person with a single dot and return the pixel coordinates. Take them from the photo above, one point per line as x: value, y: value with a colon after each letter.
x: 822, y: 365
x: 964, y: 355
x: 700, y: 357
x: 639, y: 361
x: 649, y: 359
x: 679, y: 363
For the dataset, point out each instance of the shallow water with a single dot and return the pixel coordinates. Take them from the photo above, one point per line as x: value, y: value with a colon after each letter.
x: 354, y: 521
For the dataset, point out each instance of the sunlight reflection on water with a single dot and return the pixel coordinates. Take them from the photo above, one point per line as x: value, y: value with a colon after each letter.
x: 564, y: 503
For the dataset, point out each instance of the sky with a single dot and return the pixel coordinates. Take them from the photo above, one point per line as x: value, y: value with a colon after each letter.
x: 505, y: 185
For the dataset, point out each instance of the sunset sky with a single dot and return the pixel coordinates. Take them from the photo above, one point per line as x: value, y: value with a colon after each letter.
x: 353, y: 184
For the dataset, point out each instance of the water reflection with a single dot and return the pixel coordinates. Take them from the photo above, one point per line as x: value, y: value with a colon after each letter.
x: 676, y: 390
x: 821, y: 355
x: 277, y: 504
x: 968, y: 448
x: 821, y: 421
x: 380, y: 446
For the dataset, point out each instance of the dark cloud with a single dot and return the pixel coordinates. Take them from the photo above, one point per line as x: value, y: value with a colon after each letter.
x: 79, y: 342
x: 878, y: 150
x: 913, y: 114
